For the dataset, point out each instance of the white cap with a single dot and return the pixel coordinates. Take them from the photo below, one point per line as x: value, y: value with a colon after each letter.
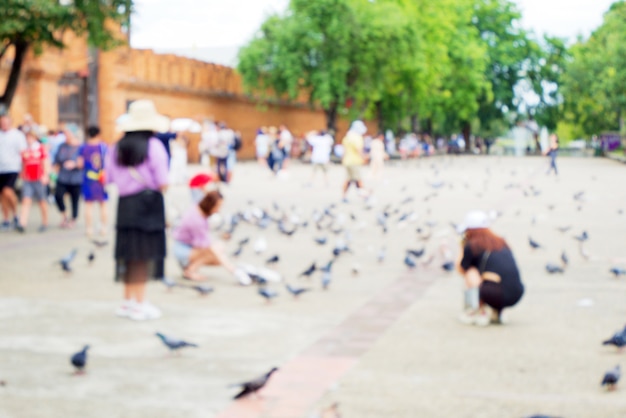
x: 359, y: 127
x: 476, y: 219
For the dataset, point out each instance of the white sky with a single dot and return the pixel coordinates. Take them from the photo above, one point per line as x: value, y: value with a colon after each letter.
x: 171, y: 24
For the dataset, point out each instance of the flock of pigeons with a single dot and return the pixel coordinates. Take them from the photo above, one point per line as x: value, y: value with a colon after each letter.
x: 337, y: 221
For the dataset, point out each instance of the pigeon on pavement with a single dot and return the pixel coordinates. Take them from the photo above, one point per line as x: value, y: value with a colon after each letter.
x: 91, y: 257
x: 618, y: 339
x: 267, y: 294
x: 202, y: 289
x: 409, y: 261
x: 174, y: 344
x: 255, y: 385
x: 308, y: 272
x: 297, y: 291
x: 611, y: 378
x: 618, y: 271
x: 553, y: 268
x: 582, y: 237
x: 67, y: 260
x: 79, y: 360
x: 533, y: 244
x: 272, y: 260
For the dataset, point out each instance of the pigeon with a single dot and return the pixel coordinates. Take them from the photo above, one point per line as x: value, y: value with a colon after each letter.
x: 260, y: 245
x: 409, y: 261
x: 174, y: 344
x: 79, y: 360
x: 416, y: 253
x: 255, y: 385
x: 297, y: 291
x: 448, y: 266
x: 618, y: 339
x: 533, y: 244
x: 564, y: 258
x: 356, y: 269
x: 267, y: 294
x: 381, y: 254
x: 91, y: 257
x: 273, y: 259
x: 308, y: 272
x: 169, y: 283
x: 326, y: 278
x: 66, y: 261
x: 327, y: 267
x: 582, y: 237
x: 611, y: 378
x: 618, y: 271
x: 321, y: 240
x: 579, y: 196
x: 99, y: 244
x: 203, y: 290
x: 244, y: 241
x: 553, y: 268
x: 237, y: 252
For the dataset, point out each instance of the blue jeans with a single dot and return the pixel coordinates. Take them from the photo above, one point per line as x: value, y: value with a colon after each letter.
x: 553, y: 162
x: 222, y: 169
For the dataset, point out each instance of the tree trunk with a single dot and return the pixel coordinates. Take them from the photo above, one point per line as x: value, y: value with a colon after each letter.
x: 331, y: 118
x: 379, y: 116
x: 429, y: 126
x: 415, y: 123
x: 466, y: 130
x: 21, y: 47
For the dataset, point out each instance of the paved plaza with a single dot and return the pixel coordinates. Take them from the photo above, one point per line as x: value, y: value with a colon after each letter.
x: 382, y: 343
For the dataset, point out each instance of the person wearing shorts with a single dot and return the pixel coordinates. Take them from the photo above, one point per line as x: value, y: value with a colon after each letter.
x: 35, y: 175
x: 91, y: 157
x: 12, y: 143
x: 322, y: 145
x: 193, y: 247
x: 353, y: 157
x: 491, y: 275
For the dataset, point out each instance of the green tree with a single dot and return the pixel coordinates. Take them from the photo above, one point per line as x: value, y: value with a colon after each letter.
x: 594, y: 80
x: 337, y: 52
x: 35, y: 24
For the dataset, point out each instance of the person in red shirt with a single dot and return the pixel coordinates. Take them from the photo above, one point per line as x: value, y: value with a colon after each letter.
x: 35, y: 174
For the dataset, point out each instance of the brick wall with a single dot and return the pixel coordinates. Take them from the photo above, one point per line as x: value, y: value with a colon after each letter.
x: 180, y: 87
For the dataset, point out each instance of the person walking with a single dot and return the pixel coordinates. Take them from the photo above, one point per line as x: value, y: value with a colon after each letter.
x: 353, y: 157
x: 286, y: 141
x: 552, y: 152
x: 193, y: 246
x: 225, y: 141
x: 492, y: 279
x: 322, y: 145
x: 378, y: 156
x: 35, y: 177
x: 138, y: 166
x: 12, y: 144
x: 91, y: 158
x: 69, y: 177
x: 262, y: 144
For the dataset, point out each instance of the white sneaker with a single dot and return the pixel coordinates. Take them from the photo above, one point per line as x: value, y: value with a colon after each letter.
x: 145, y: 312
x: 243, y: 277
x: 475, y: 317
x: 126, y: 308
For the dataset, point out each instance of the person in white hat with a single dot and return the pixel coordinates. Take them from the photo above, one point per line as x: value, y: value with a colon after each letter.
x: 353, y: 157
x: 492, y: 278
x: 138, y: 166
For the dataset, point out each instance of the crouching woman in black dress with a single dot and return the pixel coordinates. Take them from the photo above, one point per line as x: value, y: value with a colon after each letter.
x: 492, y: 278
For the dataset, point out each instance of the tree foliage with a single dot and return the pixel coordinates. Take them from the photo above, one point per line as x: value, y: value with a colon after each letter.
x: 37, y: 23
x: 593, y: 84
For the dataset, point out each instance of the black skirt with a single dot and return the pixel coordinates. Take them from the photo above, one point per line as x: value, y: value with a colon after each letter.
x: 140, y: 237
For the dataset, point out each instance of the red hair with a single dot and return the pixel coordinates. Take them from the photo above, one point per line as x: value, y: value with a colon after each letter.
x: 483, y: 239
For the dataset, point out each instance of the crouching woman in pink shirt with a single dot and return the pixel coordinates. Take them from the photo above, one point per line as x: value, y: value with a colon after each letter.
x: 193, y: 247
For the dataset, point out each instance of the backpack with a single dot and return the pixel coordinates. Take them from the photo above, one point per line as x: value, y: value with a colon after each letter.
x: 238, y: 143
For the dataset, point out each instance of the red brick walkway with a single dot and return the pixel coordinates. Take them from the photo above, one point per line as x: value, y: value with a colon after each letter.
x: 302, y: 381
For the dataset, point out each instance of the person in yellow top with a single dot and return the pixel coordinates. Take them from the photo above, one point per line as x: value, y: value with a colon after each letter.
x: 353, y: 157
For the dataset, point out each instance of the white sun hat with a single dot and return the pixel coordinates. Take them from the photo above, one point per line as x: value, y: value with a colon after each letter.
x: 359, y: 127
x: 476, y: 219
x: 143, y: 116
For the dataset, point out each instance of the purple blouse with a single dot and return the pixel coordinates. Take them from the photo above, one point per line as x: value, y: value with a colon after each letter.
x: 153, y: 171
x: 193, y: 229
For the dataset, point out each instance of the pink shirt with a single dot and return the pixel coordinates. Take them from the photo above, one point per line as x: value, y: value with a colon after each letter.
x: 153, y: 171
x: 193, y: 229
